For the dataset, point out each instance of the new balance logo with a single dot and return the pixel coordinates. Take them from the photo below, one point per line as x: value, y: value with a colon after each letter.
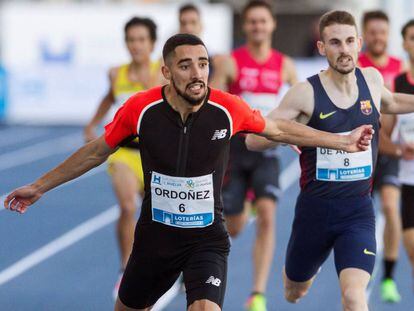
x: 214, y: 281
x: 219, y: 134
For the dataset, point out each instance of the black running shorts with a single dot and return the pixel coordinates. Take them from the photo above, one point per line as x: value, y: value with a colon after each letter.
x: 256, y: 172
x: 407, y: 206
x: 160, y: 253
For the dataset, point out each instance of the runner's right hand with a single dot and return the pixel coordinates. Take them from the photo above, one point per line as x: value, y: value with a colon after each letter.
x: 20, y: 199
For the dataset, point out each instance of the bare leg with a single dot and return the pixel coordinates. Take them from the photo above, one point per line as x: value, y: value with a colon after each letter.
x: 392, y: 231
x: 204, y: 305
x: 125, y: 185
x: 408, y: 239
x: 119, y: 306
x: 236, y: 223
x: 265, y: 243
x: 353, y: 286
x: 295, y: 290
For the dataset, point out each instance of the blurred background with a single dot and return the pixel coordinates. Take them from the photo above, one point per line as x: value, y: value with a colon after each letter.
x: 54, y: 54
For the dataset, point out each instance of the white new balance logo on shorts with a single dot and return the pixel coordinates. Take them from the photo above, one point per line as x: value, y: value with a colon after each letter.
x: 219, y: 134
x: 214, y: 281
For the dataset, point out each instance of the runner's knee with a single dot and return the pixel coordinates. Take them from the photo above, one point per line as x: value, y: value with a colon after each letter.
x: 389, y: 210
x: 203, y: 305
x: 293, y: 294
x: 235, y: 224
x: 127, y: 209
x: 234, y: 230
x: 353, y: 298
x: 265, y: 222
x: 410, y: 253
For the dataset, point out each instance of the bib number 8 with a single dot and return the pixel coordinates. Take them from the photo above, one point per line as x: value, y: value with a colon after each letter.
x: 346, y: 162
x: 181, y: 207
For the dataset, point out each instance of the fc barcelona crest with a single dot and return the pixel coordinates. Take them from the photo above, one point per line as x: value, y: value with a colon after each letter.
x: 366, y: 107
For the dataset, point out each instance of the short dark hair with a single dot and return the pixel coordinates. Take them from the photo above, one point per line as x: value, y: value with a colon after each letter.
x: 257, y: 4
x: 407, y: 25
x: 188, y: 7
x: 335, y: 17
x: 371, y: 15
x: 178, y: 40
x: 142, y: 21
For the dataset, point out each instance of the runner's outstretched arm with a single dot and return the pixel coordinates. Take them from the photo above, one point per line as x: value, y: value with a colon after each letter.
x: 297, y: 105
x: 391, y: 103
x: 84, y: 159
x: 291, y: 132
x: 396, y: 103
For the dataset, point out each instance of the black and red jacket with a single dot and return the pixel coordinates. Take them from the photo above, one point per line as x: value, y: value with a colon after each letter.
x: 196, y: 147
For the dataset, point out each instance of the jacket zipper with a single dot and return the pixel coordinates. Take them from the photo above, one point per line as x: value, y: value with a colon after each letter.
x: 183, y: 146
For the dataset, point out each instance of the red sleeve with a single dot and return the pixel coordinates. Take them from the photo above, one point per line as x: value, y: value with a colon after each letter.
x: 123, y: 125
x: 245, y: 118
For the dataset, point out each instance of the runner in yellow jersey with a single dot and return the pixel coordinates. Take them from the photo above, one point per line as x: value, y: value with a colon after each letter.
x: 124, y: 166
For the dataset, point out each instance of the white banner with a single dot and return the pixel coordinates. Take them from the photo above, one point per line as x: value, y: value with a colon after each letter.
x: 58, y: 55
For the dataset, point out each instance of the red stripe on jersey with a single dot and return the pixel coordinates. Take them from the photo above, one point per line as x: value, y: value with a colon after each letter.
x: 125, y: 122
x: 243, y: 118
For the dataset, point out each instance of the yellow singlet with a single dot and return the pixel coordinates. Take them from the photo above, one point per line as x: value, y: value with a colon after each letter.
x: 123, y: 88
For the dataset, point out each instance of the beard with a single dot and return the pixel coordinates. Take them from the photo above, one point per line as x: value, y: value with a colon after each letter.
x: 193, y: 101
x: 335, y: 66
x: 377, y: 48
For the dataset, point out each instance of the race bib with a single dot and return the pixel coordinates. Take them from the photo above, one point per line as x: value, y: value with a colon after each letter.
x: 185, y: 202
x: 338, y: 165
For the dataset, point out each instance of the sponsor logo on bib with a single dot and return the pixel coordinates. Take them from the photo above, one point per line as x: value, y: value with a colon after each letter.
x: 185, y: 202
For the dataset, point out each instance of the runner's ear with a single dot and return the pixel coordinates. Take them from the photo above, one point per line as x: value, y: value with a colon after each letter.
x: 166, y: 72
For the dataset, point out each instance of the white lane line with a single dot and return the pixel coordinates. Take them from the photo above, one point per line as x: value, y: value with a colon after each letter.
x: 379, y: 229
x: 93, y: 172
x: 71, y: 237
x: 39, y: 151
x: 20, y: 138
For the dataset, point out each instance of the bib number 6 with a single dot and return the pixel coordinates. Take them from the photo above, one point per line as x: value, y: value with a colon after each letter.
x: 181, y: 207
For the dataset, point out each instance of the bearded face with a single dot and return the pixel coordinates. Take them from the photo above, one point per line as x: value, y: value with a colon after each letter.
x: 341, y: 46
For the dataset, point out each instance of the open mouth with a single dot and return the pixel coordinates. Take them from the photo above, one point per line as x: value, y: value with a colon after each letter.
x: 344, y: 60
x: 196, y: 87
